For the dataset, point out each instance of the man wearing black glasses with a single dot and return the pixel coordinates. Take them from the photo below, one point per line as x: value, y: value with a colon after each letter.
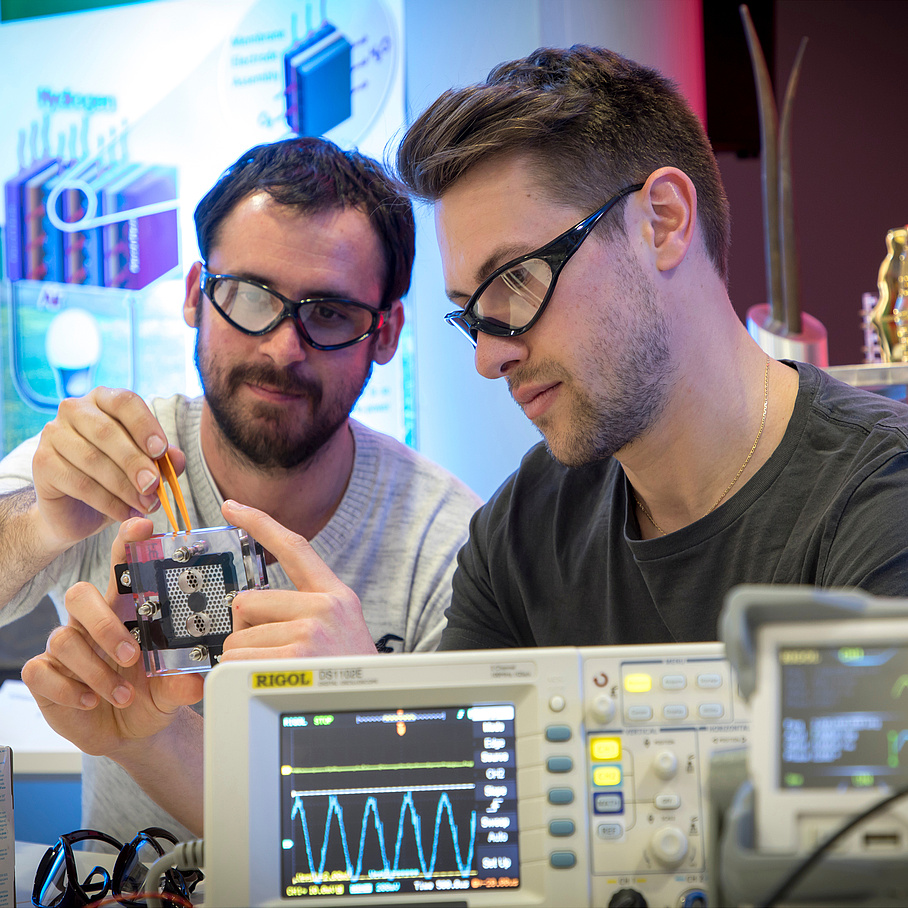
x: 307, y: 251
x: 584, y: 236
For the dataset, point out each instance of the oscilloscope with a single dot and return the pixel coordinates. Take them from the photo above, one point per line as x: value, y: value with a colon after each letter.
x: 825, y: 673
x: 549, y: 777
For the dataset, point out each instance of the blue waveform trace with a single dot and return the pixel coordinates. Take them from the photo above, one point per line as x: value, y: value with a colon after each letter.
x: 371, y: 808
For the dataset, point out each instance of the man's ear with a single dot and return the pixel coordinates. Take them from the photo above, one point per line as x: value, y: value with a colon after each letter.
x: 388, y: 335
x: 192, y: 301
x: 670, y: 212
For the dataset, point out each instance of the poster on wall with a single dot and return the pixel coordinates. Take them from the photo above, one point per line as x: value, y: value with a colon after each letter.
x: 118, y: 117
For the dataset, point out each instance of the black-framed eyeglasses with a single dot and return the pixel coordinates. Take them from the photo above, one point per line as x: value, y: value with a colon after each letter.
x: 323, y: 323
x: 57, y: 882
x: 511, y: 299
x: 134, y: 861
x: 58, y: 885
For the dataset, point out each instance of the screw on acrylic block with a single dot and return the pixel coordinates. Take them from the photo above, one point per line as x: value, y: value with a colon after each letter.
x: 198, y: 653
x: 147, y: 608
x: 125, y: 580
x: 185, y: 552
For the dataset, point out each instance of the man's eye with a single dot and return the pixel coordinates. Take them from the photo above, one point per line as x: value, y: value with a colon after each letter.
x: 254, y: 297
x: 527, y: 281
x: 329, y: 315
x: 517, y: 277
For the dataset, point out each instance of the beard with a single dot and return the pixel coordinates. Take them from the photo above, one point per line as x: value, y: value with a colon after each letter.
x: 266, y: 435
x: 622, y: 380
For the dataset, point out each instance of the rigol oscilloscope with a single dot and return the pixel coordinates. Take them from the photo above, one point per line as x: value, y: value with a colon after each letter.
x: 547, y: 777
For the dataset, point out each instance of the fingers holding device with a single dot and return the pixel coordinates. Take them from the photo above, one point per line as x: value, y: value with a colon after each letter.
x: 96, y: 463
x: 90, y: 682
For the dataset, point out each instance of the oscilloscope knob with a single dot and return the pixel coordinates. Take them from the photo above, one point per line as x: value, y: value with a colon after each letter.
x: 602, y: 709
x: 627, y: 898
x: 669, y: 846
x: 665, y: 764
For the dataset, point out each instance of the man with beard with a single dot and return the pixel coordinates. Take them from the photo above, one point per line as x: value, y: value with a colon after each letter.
x: 584, y: 236
x: 307, y: 251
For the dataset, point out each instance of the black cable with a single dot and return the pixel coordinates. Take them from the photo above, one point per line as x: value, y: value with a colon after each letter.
x: 794, y: 876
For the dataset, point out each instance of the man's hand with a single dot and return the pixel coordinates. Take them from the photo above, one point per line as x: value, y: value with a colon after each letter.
x: 90, y: 682
x: 323, y: 617
x: 95, y: 465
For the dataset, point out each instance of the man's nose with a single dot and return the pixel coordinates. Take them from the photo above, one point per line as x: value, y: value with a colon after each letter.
x: 285, y: 344
x: 497, y: 356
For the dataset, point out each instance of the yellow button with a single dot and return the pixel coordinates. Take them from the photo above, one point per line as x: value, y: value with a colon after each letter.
x: 604, y: 776
x: 605, y: 749
x: 638, y: 684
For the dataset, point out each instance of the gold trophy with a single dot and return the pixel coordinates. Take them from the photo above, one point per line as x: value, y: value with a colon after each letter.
x: 889, y: 316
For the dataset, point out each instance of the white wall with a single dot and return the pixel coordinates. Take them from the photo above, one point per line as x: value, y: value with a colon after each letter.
x: 465, y: 422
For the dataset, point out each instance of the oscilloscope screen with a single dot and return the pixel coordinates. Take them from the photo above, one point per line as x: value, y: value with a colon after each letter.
x: 844, y: 716
x: 400, y: 801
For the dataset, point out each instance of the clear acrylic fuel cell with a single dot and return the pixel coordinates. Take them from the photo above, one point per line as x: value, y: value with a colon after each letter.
x: 183, y: 585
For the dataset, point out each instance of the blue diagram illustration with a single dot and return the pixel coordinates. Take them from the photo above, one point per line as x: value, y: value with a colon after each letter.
x: 106, y: 156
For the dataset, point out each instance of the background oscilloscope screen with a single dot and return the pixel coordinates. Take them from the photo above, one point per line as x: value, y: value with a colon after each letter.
x: 843, y: 716
x: 363, y: 783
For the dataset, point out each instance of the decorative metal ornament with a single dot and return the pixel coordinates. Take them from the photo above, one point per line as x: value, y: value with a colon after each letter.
x: 780, y: 326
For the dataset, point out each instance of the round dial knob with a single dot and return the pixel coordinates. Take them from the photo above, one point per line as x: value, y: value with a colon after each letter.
x: 669, y: 846
x: 602, y: 709
x: 665, y: 764
x: 627, y: 898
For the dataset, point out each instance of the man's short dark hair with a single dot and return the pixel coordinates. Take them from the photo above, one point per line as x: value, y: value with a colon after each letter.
x: 590, y: 123
x: 313, y: 175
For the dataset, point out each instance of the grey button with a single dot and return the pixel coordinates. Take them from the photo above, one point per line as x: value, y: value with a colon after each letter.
x: 675, y: 711
x: 639, y: 713
x: 674, y: 682
x: 711, y: 710
x: 667, y: 801
x: 709, y: 680
x: 608, y: 803
x: 609, y: 831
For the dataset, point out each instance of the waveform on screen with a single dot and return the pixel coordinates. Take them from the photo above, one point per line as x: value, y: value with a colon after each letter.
x: 390, y: 865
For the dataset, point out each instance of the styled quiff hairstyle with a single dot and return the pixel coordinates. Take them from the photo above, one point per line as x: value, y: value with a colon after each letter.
x: 311, y: 176
x: 590, y: 122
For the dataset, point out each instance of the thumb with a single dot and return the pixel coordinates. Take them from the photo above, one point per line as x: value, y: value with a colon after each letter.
x: 173, y: 691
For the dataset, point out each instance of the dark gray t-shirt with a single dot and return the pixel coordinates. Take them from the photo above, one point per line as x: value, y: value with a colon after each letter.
x: 556, y: 559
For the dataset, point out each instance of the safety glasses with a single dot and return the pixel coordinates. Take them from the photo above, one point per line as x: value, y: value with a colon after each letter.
x: 58, y: 883
x: 134, y: 861
x: 324, y: 323
x: 511, y: 299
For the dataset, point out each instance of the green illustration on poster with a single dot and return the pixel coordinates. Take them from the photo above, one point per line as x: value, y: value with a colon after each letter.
x: 116, y: 129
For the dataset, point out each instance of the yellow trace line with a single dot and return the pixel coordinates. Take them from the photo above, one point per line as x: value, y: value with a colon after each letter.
x: 366, y: 767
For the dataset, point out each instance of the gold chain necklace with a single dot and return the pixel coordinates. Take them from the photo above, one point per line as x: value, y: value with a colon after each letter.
x: 728, y: 488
